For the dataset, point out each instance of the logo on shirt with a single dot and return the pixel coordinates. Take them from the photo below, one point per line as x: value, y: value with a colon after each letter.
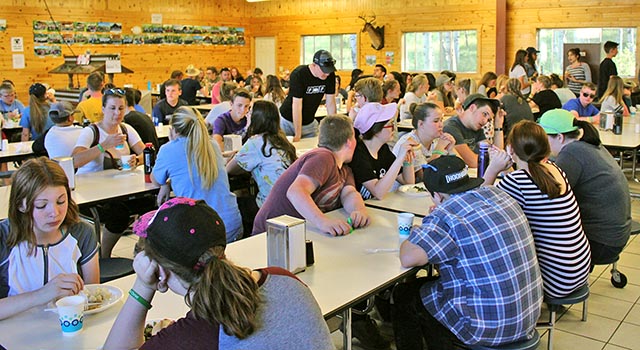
x: 312, y: 90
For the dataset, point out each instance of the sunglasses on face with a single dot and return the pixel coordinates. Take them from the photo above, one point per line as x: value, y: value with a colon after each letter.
x: 114, y: 91
x: 592, y: 96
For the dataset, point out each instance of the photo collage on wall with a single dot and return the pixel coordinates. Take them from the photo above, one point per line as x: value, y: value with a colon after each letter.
x: 48, y: 39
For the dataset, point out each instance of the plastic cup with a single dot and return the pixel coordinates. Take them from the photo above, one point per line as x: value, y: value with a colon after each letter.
x: 405, y: 221
x: 71, y: 314
x: 125, y: 161
x: 5, y: 145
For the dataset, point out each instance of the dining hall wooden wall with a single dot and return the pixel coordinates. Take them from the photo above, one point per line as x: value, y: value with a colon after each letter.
x: 149, y: 62
x: 288, y: 20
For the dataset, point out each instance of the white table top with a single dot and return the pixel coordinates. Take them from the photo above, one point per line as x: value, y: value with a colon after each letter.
x: 163, y: 131
x: 96, y: 187
x: 305, y: 145
x: 343, y: 273
x: 17, y: 149
x: 628, y: 139
x: 403, y: 203
x: 321, y: 112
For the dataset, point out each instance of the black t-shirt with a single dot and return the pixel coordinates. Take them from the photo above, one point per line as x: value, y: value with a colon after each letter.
x: 190, y: 88
x: 546, y: 100
x: 607, y: 69
x: 366, y: 168
x: 144, y: 126
x: 310, y: 89
x: 162, y: 109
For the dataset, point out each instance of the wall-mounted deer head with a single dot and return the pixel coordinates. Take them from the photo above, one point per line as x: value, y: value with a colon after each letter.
x: 376, y: 34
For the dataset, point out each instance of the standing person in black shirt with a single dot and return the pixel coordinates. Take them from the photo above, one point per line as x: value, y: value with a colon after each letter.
x: 308, y: 85
x: 607, y: 67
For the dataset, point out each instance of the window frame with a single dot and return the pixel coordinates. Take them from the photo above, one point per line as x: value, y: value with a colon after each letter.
x: 403, y: 44
x: 339, y: 65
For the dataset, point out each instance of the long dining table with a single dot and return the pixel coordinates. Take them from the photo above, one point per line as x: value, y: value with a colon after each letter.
x: 347, y: 270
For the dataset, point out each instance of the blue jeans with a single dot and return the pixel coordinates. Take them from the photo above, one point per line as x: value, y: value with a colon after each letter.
x: 309, y: 130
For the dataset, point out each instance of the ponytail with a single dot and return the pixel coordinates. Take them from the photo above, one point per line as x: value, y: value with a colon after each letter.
x: 543, y: 178
x: 188, y: 122
x: 227, y: 294
x: 589, y: 132
x: 529, y: 142
x: 37, y: 113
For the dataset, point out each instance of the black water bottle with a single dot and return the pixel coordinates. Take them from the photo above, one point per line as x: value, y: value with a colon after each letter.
x: 149, y: 156
x: 483, y: 158
x: 617, y: 123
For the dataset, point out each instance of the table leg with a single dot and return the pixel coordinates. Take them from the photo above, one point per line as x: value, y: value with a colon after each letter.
x: 346, y: 329
x: 633, y: 165
x: 621, y: 159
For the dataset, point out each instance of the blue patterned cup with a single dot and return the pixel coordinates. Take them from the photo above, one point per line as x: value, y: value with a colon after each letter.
x: 405, y: 222
x: 71, y: 314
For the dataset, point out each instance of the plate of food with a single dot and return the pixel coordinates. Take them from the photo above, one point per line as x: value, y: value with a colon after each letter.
x: 414, y: 190
x: 100, y: 297
x: 152, y: 327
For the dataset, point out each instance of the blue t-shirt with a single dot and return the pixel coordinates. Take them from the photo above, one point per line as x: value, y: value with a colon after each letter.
x: 575, y: 105
x: 172, y: 164
x: 25, y: 122
x: 5, y: 108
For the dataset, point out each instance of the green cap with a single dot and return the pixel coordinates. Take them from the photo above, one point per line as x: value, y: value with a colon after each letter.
x: 557, y: 121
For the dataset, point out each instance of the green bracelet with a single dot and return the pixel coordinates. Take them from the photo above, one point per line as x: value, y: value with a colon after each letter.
x: 440, y: 153
x: 101, y: 148
x: 406, y: 163
x: 144, y: 302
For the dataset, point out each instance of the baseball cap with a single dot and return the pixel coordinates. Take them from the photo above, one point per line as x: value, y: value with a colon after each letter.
x: 448, y: 174
x: 37, y: 90
x: 60, y: 111
x: 326, y: 62
x: 476, y: 97
x: 557, y: 121
x: 372, y: 113
x: 442, y: 79
x: 532, y: 50
x: 182, y: 230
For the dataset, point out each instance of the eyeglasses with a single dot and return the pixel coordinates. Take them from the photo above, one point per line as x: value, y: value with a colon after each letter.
x: 114, y: 91
x: 592, y: 96
x: 358, y: 95
x: 8, y: 95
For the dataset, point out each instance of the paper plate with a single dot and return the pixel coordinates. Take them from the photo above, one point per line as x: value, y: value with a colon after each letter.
x: 414, y: 190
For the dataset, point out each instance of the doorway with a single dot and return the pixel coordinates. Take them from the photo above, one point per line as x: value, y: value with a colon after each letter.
x: 265, y: 54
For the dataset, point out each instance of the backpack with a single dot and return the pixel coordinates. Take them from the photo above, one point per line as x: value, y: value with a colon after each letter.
x: 108, y: 162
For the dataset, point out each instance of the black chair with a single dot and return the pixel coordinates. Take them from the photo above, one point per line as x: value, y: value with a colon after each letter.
x: 579, y: 296
x: 110, y: 268
x: 529, y: 344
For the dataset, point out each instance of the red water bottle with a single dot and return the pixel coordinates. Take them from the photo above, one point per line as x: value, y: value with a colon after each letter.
x: 149, y: 156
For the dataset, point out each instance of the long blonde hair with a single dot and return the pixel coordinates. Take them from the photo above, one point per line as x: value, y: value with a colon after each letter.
x: 188, y: 122
x: 615, y: 88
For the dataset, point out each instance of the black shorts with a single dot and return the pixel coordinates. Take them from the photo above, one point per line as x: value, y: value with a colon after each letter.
x: 602, y: 254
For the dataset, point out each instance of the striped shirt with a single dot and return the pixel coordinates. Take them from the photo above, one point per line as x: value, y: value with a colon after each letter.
x: 489, y: 291
x: 561, y: 245
x: 582, y: 73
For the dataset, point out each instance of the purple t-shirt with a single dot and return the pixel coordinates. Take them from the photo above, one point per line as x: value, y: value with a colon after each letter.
x: 224, y: 125
x: 318, y: 164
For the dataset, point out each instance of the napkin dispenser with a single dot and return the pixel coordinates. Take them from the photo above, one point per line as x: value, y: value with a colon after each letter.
x: 66, y: 163
x: 286, y: 247
x: 232, y: 142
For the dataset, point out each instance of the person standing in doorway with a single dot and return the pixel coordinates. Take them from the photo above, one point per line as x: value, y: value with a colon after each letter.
x: 607, y: 67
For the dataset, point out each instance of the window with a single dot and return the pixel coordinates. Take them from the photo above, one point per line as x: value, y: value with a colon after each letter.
x: 342, y: 48
x: 436, y: 51
x: 550, y: 44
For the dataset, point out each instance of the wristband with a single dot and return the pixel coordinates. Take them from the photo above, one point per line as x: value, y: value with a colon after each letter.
x: 497, y: 129
x: 440, y: 152
x: 406, y: 163
x: 101, y: 148
x: 144, y: 302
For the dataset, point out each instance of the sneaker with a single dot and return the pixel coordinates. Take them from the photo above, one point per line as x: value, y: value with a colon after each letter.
x: 367, y: 332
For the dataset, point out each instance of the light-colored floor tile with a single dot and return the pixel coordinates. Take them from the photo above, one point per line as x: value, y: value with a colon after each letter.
x: 627, y: 335
x: 613, y: 347
x: 597, y: 327
x: 633, y: 274
x: 565, y: 341
x: 603, y: 287
x: 604, y: 306
x: 599, y: 270
x: 633, y: 247
x: 634, y: 316
x: 629, y: 259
